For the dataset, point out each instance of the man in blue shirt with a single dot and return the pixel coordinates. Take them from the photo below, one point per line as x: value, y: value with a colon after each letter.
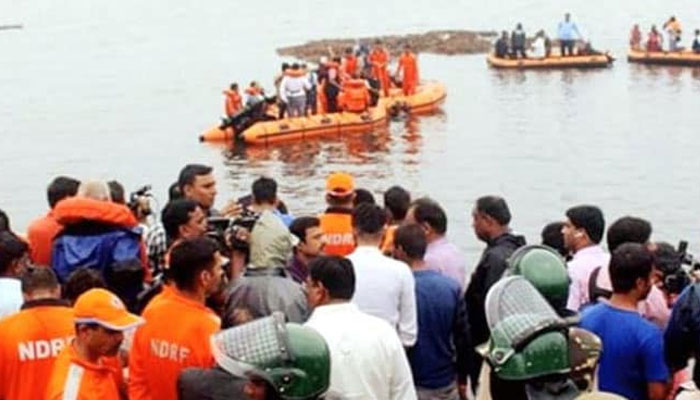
x: 567, y: 31
x: 439, y: 359
x: 632, y: 364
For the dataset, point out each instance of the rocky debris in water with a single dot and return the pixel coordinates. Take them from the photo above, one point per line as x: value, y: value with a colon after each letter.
x: 9, y: 27
x: 449, y: 42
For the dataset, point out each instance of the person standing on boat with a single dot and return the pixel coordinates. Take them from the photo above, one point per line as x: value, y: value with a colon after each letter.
x: 379, y: 58
x: 408, y: 64
x: 312, y: 78
x: 635, y: 38
x: 281, y: 105
x: 673, y: 27
x: 538, y: 48
x: 567, y: 33
x: 517, y: 41
x: 501, y: 48
x: 696, y: 42
x: 349, y: 63
x: 654, y: 40
x: 293, y: 88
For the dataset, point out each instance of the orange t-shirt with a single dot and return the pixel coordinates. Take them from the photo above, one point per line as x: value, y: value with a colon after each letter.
x: 40, y: 235
x: 408, y: 63
x: 176, y: 336
x: 336, y: 225
x: 379, y: 60
x: 30, y: 340
x: 76, y: 378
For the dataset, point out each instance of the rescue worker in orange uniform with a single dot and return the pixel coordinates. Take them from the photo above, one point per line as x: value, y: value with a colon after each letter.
x: 379, y: 58
x: 234, y: 102
x: 88, y: 368
x: 42, y: 231
x: 355, y: 96
x: 336, y: 222
x: 349, y: 64
x: 409, y: 65
x: 31, y: 339
x: 178, y: 324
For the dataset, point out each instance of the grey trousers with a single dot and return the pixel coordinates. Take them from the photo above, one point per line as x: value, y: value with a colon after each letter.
x: 296, y: 106
x: 446, y: 393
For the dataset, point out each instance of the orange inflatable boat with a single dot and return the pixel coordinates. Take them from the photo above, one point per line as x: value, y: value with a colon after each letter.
x: 429, y: 96
x: 683, y: 58
x: 316, y: 125
x: 553, y: 62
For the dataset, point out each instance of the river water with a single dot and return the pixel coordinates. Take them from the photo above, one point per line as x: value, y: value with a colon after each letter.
x: 121, y: 90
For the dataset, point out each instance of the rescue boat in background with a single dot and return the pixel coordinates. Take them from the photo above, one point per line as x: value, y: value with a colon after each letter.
x: 552, y: 62
x: 681, y: 58
x: 429, y: 96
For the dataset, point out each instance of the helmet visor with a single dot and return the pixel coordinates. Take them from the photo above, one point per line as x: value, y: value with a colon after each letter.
x: 249, y: 348
x: 517, y: 311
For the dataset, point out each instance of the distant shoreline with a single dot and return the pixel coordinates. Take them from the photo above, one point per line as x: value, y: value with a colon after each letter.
x: 447, y: 42
x: 9, y: 27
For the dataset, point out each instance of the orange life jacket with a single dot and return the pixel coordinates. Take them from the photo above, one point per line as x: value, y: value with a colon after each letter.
x: 350, y: 65
x: 76, y: 209
x: 233, y: 102
x: 40, y: 235
x: 355, y: 96
x: 295, y: 74
x: 30, y: 341
x: 336, y: 225
x: 253, y: 91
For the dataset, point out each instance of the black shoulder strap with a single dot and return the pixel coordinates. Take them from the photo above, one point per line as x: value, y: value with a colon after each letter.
x: 595, y: 291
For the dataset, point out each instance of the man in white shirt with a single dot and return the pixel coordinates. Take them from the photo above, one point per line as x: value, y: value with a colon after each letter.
x: 385, y: 287
x: 368, y: 361
x: 14, y: 257
x: 582, y: 232
x: 293, y: 88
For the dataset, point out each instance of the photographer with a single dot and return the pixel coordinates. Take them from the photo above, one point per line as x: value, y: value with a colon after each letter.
x: 668, y: 263
x: 265, y: 286
x: 196, y: 182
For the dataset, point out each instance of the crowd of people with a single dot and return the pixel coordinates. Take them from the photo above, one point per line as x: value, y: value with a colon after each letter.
x: 518, y: 46
x: 99, y: 300
x: 655, y: 40
x: 351, y: 83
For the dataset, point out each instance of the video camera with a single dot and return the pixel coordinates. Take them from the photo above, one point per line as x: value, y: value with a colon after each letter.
x: 227, y: 231
x: 676, y: 265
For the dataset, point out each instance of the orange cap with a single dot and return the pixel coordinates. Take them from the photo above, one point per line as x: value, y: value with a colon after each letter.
x: 102, y: 307
x: 340, y: 184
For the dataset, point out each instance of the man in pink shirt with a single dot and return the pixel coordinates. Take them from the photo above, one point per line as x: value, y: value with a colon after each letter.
x: 583, y: 231
x: 441, y: 255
